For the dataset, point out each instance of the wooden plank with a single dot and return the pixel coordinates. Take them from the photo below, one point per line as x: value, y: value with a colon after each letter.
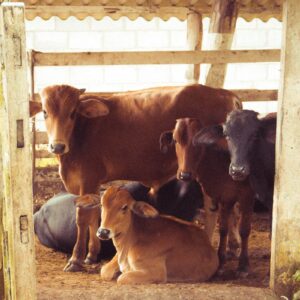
x: 220, y: 37
x: 155, y: 57
x: 194, y: 40
x: 285, y: 249
x: 17, y: 218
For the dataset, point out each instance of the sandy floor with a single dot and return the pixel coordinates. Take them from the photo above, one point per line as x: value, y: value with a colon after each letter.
x: 53, y: 283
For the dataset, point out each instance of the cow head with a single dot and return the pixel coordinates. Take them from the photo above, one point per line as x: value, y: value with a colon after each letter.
x: 61, y: 104
x: 187, y: 154
x: 242, y: 130
x: 116, y: 213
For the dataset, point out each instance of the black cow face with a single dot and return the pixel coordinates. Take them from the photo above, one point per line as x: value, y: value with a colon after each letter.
x: 242, y: 130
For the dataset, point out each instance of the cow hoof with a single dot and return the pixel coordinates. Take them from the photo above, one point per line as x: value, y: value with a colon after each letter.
x: 73, y: 267
x: 90, y: 261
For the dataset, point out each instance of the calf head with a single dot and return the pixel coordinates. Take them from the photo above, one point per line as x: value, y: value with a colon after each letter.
x: 61, y: 104
x: 242, y: 130
x: 116, y: 213
x: 188, y: 156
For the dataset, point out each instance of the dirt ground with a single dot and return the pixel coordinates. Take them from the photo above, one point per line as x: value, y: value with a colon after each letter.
x: 53, y: 283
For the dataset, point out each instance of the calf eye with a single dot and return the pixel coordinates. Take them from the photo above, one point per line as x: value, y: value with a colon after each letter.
x: 45, y: 114
x: 124, y: 207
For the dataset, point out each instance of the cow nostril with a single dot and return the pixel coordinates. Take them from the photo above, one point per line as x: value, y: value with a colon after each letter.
x: 57, y: 148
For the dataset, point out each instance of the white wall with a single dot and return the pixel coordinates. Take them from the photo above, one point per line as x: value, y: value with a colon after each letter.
x: 108, y: 35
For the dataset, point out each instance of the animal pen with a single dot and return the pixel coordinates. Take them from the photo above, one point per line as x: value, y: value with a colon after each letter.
x: 17, y: 143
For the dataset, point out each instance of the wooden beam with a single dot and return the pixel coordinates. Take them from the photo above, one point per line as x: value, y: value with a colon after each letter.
x: 155, y: 57
x: 285, y: 250
x: 18, y: 237
x: 221, y: 31
x: 194, y: 40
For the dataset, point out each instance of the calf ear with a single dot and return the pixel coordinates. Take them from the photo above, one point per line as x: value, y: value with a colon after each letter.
x: 34, y: 108
x: 166, y: 141
x: 208, y: 135
x: 144, y: 209
x: 93, y: 108
x: 269, y: 130
x: 88, y: 201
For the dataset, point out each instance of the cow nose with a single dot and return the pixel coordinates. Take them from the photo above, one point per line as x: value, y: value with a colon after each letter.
x: 103, y: 234
x: 185, y: 176
x: 57, y: 148
x: 238, y: 172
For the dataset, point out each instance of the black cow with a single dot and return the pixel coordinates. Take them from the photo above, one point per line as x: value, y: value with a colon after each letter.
x: 251, y: 144
x: 55, y: 222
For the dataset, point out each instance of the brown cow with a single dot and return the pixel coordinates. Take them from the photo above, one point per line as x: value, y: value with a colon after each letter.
x: 152, y: 248
x: 102, y: 139
x: 209, y: 165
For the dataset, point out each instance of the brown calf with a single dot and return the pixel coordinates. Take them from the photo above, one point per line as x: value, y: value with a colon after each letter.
x: 102, y: 139
x: 209, y: 166
x: 152, y: 248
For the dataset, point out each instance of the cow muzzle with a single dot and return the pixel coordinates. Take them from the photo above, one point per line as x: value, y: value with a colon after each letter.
x: 238, y: 172
x: 57, y: 148
x: 103, y: 234
x: 185, y: 176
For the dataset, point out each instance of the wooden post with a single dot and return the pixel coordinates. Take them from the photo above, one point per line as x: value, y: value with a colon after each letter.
x: 17, y: 217
x: 1, y: 209
x: 285, y: 253
x: 194, y: 39
x: 221, y: 31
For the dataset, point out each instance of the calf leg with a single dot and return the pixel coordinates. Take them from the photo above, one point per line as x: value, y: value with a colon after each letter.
x: 210, y: 216
x: 154, y: 272
x: 223, y: 228
x: 110, y: 270
x: 245, y: 228
x: 234, y: 239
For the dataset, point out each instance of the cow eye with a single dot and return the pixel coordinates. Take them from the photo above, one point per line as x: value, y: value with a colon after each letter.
x: 124, y: 207
x: 45, y: 114
x: 72, y: 116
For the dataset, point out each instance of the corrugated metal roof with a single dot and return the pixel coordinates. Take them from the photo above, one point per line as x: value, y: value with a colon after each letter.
x: 248, y: 9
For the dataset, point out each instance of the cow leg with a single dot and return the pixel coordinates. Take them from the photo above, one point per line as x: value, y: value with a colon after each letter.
x: 110, y: 270
x: 152, y: 272
x: 94, y: 245
x: 245, y: 228
x: 75, y: 263
x: 234, y: 239
x: 223, y: 229
x: 210, y: 216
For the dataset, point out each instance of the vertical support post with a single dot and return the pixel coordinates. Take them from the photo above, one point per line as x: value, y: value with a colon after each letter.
x: 285, y: 251
x: 194, y: 39
x: 30, y: 61
x: 221, y: 31
x: 17, y: 216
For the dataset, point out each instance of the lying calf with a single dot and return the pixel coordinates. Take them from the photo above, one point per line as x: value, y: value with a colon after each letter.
x: 150, y: 247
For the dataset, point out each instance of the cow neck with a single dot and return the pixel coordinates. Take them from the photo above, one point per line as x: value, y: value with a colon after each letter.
x: 123, y: 244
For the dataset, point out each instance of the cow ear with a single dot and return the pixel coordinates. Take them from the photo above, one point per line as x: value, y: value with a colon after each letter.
x: 34, y: 108
x: 208, y: 135
x: 166, y: 141
x: 144, y: 209
x: 269, y: 129
x: 93, y: 108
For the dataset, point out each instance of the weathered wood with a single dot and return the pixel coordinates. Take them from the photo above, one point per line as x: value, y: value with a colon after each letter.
x: 285, y: 252
x: 18, y: 237
x: 194, y: 40
x: 221, y: 31
x: 155, y: 57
